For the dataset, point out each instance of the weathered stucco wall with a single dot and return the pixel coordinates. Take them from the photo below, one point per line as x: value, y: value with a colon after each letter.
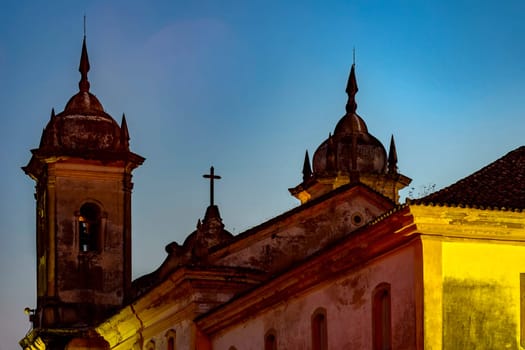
x: 348, y: 307
x: 102, y: 272
x: 481, y: 294
x: 168, y: 310
x: 472, y: 263
x: 301, y: 234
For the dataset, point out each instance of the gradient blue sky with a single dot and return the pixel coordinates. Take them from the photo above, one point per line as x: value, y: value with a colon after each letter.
x: 247, y: 86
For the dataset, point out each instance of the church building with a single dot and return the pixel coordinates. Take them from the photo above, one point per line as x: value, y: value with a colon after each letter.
x: 349, y: 268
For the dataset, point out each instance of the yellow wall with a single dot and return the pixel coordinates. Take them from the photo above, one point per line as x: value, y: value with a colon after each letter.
x: 481, y: 294
x: 473, y: 260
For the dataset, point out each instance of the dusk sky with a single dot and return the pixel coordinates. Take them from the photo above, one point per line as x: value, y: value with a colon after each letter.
x: 248, y: 86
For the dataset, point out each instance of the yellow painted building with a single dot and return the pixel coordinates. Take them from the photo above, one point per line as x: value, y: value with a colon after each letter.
x: 350, y: 268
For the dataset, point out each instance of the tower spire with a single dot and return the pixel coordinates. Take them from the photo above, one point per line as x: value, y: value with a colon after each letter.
x: 124, y: 133
x: 392, y: 157
x: 307, y: 169
x: 83, y: 68
x: 351, y: 90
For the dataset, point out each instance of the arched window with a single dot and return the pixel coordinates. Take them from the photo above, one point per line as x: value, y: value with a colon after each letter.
x: 319, y: 330
x: 381, y: 318
x: 150, y: 345
x: 89, y: 227
x: 170, y: 339
x: 270, y: 341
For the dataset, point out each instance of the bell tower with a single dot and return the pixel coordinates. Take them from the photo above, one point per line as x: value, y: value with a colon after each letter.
x: 83, y: 170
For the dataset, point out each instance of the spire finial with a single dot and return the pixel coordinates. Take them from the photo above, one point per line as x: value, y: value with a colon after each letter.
x: 83, y: 68
x: 353, y: 53
x: 124, y: 133
x: 351, y: 90
x: 392, y: 157
x: 212, y: 177
x: 307, y: 169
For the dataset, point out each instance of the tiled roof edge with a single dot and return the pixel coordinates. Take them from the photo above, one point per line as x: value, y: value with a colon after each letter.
x: 461, y: 205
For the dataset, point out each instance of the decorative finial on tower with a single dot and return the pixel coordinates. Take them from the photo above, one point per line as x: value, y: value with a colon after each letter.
x: 392, y: 157
x: 351, y: 90
x: 124, y: 133
x: 53, y: 113
x: 212, y: 177
x: 307, y: 169
x: 83, y: 68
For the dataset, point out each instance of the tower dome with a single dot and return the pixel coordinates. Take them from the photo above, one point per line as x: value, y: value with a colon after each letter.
x: 351, y: 156
x: 83, y: 127
x: 351, y: 148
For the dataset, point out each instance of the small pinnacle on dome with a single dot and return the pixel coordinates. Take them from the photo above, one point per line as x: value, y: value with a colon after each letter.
x: 83, y: 68
x: 307, y: 169
x: 392, y: 157
x: 124, y: 133
x: 53, y: 113
x: 351, y: 91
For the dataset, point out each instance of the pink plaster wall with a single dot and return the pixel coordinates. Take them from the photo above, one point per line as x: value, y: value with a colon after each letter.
x: 348, y: 309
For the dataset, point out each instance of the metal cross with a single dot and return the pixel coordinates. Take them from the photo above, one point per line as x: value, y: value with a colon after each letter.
x: 212, y: 177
